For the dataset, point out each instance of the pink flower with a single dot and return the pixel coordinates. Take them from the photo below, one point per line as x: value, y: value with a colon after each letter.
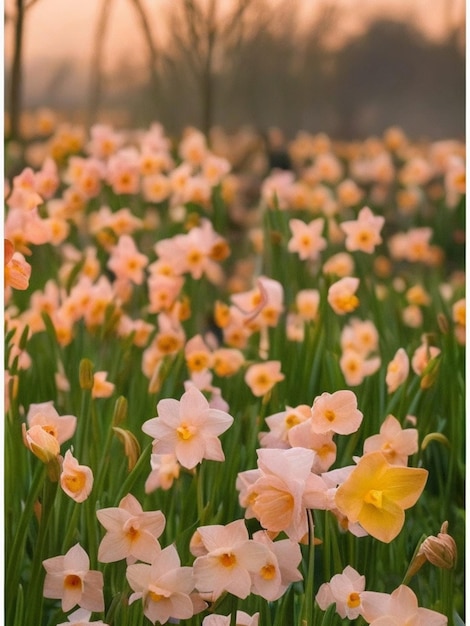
x: 102, y: 388
x: 164, y: 470
x: 395, y: 443
x: 188, y: 428
x: 126, y: 261
x: 341, y: 295
x: 280, y: 569
x: 280, y: 424
x: 261, y: 377
x: 306, y: 239
x: 243, y: 619
x: 323, y: 446
x: 131, y: 533
x: 363, y: 233
x: 76, y: 480
x: 422, y: 356
x: 43, y: 414
x: 230, y: 559
x: 336, y: 412
x: 81, y: 617
x: 397, y: 370
x: 69, y: 579
x: 400, y: 608
x: 283, y: 490
x: 345, y: 591
x: 164, y: 587
x: 355, y: 367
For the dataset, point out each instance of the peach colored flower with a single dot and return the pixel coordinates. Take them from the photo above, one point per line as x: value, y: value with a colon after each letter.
x: 76, y: 480
x: 126, y: 261
x: 361, y: 336
x: 395, y: 443
x: 399, y: 608
x: 164, y: 470
x: 306, y: 239
x: 164, y: 587
x: 262, y: 305
x: 340, y: 264
x: 227, y: 361
x: 336, y: 412
x: 17, y: 271
x: 376, y: 494
x: 62, y: 427
x: 242, y: 619
x: 341, y: 295
x: 280, y: 568
x: 197, y: 354
x: 355, y: 367
x: 81, y: 617
x: 41, y: 443
x: 307, y: 302
x: 459, y: 312
x: 131, y: 533
x: 69, y: 579
x: 280, y: 424
x: 422, y: 355
x: 322, y: 445
x: 284, y: 489
x: 188, y: 428
x: 261, y: 377
x: 102, y: 388
x: 397, y: 370
x: 364, y: 233
x: 344, y: 590
x: 156, y: 187
x: 229, y: 560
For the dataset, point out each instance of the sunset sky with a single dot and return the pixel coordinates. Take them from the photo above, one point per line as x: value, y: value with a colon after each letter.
x: 64, y: 28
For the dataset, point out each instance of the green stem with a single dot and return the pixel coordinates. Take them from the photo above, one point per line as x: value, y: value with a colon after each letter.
x: 308, y: 603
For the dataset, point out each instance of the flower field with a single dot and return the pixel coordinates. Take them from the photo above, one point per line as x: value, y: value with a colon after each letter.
x: 233, y: 408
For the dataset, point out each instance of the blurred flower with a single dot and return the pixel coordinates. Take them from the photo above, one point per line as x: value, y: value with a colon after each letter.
x: 345, y: 591
x: 364, y: 233
x: 376, y: 494
x: 69, y: 579
x: 340, y: 264
x: 355, y: 367
x: 261, y: 377
x: 395, y: 443
x: 306, y: 239
x: 81, y: 617
x: 400, y: 608
x: 126, y: 261
x: 279, y: 425
x: 164, y: 587
x: 242, y: 619
x: 41, y: 443
x: 17, y: 271
x: 188, y: 428
x: 307, y: 302
x: 131, y: 533
x: 102, y: 388
x: 341, y: 295
x: 397, y: 370
x: 164, y: 470
x: 422, y: 356
x: 76, y: 480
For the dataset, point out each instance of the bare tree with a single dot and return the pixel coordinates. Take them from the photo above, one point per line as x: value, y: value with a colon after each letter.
x: 16, y: 73
x: 96, y: 72
x: 208, y: 33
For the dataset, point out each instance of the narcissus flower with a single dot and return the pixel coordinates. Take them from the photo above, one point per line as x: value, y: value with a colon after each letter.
x: 399, y: 608
x: 69, y: 579
x: 81, y: 617
x: 364, y: 233
x: 242, y: 619
x: 345, y: 591
x: 188, y: 428
x: 337, y: 412
x: 342, y: 295
x: 395, y: 443
x: 76, y: 480
x: 307, y: 239
x: 376, y: 494
x: 131, y: 533
x: 164, y: 587
x: 261, y: 377
x: 397, y: 370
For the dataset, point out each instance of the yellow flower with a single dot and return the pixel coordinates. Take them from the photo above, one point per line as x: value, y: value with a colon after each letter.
x: 376, y: 494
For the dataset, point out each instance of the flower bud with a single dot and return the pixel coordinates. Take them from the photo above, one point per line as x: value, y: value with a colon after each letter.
x: 85, y: 374
x: 441, y: 551
x: 41, y: 443
x: 131, y: 446
x: 120, y: 411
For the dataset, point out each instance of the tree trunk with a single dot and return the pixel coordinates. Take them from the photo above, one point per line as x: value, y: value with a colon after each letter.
x: 15, y: 104
x: 97, y: 62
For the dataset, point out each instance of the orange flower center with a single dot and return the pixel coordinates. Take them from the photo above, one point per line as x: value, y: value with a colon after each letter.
x: 354, y: 600
x: 72, y: 581
x: 51, y: 429
x: 227, y: 559
x: 268, y: 571
x: 330, y: 415
x: 75, y: 482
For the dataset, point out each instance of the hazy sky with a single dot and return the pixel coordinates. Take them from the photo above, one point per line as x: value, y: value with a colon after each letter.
x: 64, y: 28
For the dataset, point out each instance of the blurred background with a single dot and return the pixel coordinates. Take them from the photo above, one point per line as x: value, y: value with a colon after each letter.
x: 350, y: 68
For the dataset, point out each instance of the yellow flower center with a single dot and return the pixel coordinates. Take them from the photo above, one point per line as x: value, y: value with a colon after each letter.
x: 156, y: 597
x: 51, y: 429
x: 268, y: 571
x: 354, y: 600
x: 291, y: 420
x: 184, y: 432
x: 374, y: 497
x: 227, y: 559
